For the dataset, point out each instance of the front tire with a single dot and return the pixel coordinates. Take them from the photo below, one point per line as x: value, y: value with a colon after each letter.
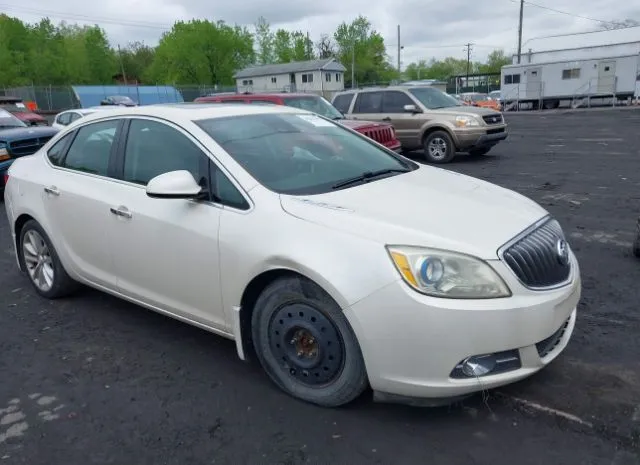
x: 42, y: 264
x: 306, y: 345
x: 439, y: 147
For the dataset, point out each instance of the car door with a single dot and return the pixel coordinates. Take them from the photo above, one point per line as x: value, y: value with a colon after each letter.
x: 77, y: 197
x: 368, y: 106
x: 406, y: 124
x: 166, y: 249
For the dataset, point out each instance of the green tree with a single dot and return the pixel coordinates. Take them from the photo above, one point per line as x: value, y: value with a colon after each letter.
x: 265, y: 42
x: 495, y: 61
x: 136, y: 59
x: 282, y: 48
x: 359, y: 42
x: 15, y: 48
x: 202, y: 52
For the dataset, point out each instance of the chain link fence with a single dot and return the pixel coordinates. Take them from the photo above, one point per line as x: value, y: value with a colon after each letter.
x: 54, y: 99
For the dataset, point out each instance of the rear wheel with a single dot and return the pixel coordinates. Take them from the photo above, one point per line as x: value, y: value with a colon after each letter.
x: 40, y: 260
x: 439, y: 147
x: 306, y: 345
x: 636, y: 247
x: 479, y: 152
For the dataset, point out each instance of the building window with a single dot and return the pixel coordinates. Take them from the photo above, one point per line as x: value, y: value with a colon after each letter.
x: 274, y: 80
x: 338, y: 77
x: 512, y: 79
x: 307, y: 77
x: 571, y: 73
x: 327, y: 77
x: 247, y: 82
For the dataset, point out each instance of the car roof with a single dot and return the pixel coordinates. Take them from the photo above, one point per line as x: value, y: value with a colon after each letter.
x: 195, y: 111
x: 380, y: 89
x: 262, y: 95
x: 9, y: 99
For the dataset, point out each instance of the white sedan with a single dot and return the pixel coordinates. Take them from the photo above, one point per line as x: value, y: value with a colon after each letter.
x: 65, y: 118
x: 337, y: 262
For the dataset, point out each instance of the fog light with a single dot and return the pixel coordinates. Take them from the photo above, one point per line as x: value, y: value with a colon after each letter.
x: 479, y: 365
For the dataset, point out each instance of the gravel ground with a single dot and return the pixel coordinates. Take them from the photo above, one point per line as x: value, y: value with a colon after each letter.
x: 93, y: 380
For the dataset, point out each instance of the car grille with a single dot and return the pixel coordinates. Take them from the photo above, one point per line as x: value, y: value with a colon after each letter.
x: 382, y: 135
x: 546, y: 346
x: 534, y: 258
x: 27, y: 146
x: 493, y: 119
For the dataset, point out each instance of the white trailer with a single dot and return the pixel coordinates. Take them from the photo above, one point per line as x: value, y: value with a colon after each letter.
x: 544, y: 85
x: 603, y: 65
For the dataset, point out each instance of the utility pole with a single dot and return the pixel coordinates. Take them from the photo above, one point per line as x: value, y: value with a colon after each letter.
x: 468, y: 47
x: 520, y: 30
x: 399, y: 48
x: 124, y: 76
x: 307, y: 47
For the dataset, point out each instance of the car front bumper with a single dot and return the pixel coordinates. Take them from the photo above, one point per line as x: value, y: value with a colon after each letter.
x: 467, y: 140
x: 413, y: 343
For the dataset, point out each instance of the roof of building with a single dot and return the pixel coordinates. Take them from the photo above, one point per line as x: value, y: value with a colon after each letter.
x: 293, y: 67
x: 582, y: 40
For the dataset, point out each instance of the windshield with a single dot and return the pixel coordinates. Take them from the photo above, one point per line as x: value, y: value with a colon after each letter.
x: 315, y: 104
x: 433, y: 98
x: 7, y: 120
x: 301, y: 154
x: 478, y: 97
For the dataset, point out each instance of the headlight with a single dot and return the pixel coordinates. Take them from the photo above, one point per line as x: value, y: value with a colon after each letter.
x: 441, y: 273
x: 466, y: 121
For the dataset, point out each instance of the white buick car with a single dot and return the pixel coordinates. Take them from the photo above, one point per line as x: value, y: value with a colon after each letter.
x: 337, y: 262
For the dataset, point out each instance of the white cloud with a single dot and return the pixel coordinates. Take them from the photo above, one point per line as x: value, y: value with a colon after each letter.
x: 429, y: 29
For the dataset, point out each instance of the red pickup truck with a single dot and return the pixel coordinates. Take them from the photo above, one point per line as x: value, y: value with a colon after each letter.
x: 383, y: 133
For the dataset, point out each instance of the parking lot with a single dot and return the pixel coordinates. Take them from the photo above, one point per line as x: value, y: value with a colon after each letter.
x: 93, y: 379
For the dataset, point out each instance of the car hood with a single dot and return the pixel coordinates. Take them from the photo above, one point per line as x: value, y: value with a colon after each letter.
x: 8, y: 135
x: 427, y: 207
x: 358, y: 124
x: 28, y: 116
x: 480, y: 111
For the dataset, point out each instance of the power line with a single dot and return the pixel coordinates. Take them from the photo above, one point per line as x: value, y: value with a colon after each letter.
x: 543, y: 7
x: 85, y: 18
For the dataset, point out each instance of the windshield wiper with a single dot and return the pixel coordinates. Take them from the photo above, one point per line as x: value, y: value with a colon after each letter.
x: 367, y: 176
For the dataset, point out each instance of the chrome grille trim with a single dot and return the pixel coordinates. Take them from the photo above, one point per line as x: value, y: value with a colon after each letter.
x: 531, y: 256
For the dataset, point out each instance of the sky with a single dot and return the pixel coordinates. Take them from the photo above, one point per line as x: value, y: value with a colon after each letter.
x: 429, y: 29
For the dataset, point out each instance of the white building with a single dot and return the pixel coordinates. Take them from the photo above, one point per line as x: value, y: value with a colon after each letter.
x: 318, y: 76
x: 577, y: 67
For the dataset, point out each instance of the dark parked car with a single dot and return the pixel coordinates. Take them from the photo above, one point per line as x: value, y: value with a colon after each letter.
x: 17, y: 108
x: 17, y: 140
x: 120, y: 100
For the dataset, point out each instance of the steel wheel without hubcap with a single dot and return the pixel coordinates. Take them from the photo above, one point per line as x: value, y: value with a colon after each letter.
x: 437, y: 148
x: 306, y: 344
x: 38, y: 261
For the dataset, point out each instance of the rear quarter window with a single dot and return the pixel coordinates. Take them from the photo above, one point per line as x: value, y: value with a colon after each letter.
x: 343, y: 102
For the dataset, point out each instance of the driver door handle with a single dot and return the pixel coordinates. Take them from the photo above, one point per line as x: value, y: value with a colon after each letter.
x: 121, y: 211
x: 53, y: 190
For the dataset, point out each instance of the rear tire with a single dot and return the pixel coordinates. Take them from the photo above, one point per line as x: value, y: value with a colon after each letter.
x: 42, y: 264
x: 306, y: 345
x: 636, y: 247
x: 480, y: 152
x: 439, y: 147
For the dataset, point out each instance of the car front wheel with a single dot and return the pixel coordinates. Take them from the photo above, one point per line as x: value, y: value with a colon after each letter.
x: 40, y: 260
x: 439, y: 147
x: 306, y: 345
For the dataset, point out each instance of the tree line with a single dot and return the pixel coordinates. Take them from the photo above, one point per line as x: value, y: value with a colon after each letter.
x: 199, y: 52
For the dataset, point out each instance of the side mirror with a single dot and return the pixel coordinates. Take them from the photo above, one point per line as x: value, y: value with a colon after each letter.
x: 174, y: 185
x: 411, y: 109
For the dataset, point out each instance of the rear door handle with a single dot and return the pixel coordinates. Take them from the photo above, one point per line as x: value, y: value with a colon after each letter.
x: 53, y: 190
x: 121, y: 211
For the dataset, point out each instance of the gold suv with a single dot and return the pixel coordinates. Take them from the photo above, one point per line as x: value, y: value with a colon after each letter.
x: 426, y: 118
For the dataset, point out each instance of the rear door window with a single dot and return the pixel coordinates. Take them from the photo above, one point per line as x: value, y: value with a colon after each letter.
x: 394, y: 101
x: 91, y: 150
x: 343, y: 102
x: 368, y: 102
